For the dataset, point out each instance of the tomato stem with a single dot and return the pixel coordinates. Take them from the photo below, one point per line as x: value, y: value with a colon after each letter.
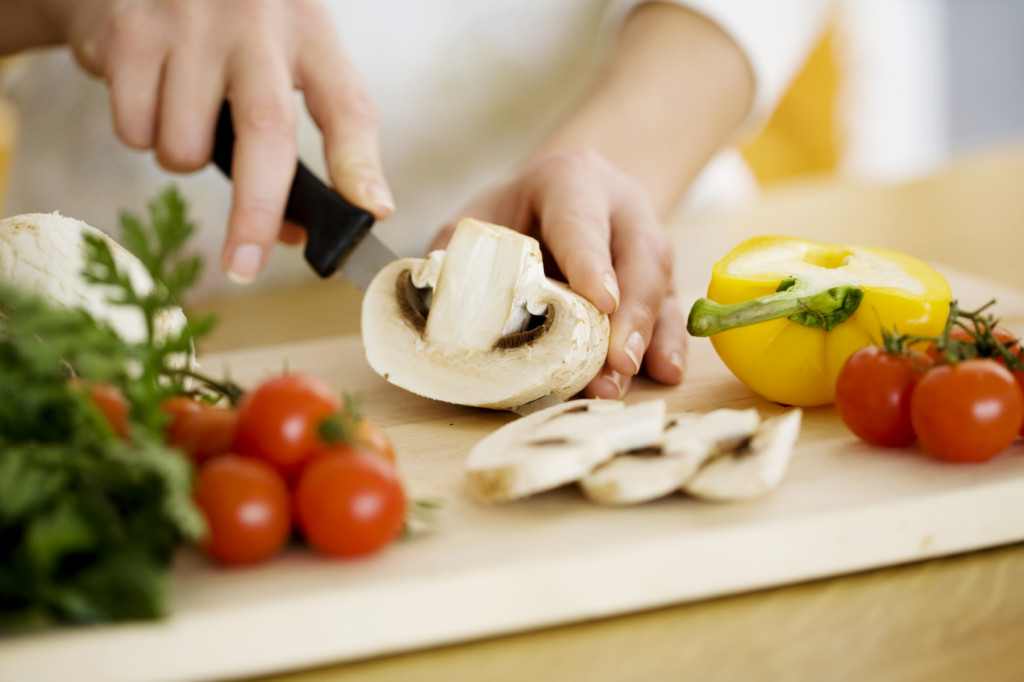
x: 794, y: 299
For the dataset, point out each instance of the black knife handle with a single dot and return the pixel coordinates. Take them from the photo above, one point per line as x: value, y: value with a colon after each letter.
x: 333, y: 225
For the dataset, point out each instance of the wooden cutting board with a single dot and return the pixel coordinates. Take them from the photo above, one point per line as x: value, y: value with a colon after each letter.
x: 485, y: 571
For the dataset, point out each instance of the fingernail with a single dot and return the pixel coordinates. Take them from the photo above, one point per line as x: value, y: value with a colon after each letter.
x: 246, y: 262
x: 615, y: 380
x: 612, y: 287
x: 675, y: 358
x: 378, y: 195
x: 635, y: 349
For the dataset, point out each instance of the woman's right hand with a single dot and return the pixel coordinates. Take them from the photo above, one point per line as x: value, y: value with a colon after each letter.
x: 169, y: 64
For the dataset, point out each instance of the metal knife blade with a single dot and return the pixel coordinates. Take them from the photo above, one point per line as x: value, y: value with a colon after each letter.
x: 539, y: 404
x: 337, y: 233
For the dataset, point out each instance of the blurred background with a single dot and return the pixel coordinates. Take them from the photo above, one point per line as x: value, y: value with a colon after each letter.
x: 894, y: 89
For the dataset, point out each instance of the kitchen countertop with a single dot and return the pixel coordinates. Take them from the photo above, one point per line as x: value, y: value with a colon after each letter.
x: 943, y: 619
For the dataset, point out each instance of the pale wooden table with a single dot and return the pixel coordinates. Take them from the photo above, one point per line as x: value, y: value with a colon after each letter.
x: 957, y: 618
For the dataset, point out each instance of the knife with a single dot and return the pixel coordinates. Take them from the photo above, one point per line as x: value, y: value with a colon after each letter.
x: 337, y: 233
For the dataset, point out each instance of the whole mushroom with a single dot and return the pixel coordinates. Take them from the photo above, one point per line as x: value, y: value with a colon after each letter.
x: 44, y: 254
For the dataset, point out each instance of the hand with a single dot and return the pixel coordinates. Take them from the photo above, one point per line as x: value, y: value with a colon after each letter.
x: 601, y: 229
x: 170, y: 63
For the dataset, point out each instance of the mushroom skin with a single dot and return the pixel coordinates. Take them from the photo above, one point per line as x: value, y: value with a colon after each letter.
x: 44, y: 254
x: 479, y: 324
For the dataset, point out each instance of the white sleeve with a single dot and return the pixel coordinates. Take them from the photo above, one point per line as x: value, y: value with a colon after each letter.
x: 775, y: 35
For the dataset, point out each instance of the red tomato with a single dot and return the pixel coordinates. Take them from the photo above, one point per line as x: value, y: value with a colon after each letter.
x: 247, y: 509
x: 204, y: 431
x: 177, y: 405
x: 278, y: 421
x: 114, y: 406
x: 349, y: 503
x: 1019, y: 376
x: 873, y: 395
x: 967, y: 412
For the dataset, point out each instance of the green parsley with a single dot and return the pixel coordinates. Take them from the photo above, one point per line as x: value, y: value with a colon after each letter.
x: 89, y: 521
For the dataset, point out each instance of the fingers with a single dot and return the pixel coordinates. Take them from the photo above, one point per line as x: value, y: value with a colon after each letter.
x: 129, y: 52
x: 341, y: 106
x: 643, y: 261
x: 665, y: 361
x: 191, y: 97
x: 169, y: 67
x: 574, y: 208
x: 264, y: 162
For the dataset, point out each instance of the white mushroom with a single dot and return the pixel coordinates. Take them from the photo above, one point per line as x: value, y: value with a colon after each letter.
x: 44, y: 253
x: 754, y: 469
x: 689, y: 441
x: 480, y: 324
x: 559, y: 445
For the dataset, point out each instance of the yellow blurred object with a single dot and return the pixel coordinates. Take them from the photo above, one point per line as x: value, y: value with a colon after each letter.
x: 8, y: 134
x: 802, y: 137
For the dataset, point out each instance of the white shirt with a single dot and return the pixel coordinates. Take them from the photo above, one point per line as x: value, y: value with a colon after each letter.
x: 463, y: 89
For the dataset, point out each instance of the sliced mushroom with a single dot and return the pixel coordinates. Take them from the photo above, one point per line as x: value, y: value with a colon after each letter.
x: 558, y: 445
x: 44, y: 253
x: 689, y: 441
x: 480, y: 324
x: 754, y: 469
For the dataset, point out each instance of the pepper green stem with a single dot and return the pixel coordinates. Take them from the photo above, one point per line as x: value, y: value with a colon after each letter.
x: 794, y: 299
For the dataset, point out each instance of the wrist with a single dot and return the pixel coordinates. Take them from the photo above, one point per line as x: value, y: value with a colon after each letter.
x: 673, y: 93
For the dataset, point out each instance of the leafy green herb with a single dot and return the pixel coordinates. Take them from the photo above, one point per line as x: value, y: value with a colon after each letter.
x: 89, y: 521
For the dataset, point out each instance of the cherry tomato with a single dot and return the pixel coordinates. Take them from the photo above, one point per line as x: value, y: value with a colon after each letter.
x: 349, y: 503
x: 1019, y: 376
x: 967, y: 412
x: 247, y: 509
x: 957, y: 333
x: 200, y: 429
x: 177, y: 405
x: 278, y: 421
x: 114, y: 406
x: 873, y: 395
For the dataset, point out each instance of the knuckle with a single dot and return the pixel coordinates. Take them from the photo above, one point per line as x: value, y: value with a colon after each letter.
x: 270, y: 116
x: 257, y: 210
x: 356, y: 107
x: 131, y: 34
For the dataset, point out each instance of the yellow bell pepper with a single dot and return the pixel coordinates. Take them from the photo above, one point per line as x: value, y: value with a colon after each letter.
x: 785, y: 313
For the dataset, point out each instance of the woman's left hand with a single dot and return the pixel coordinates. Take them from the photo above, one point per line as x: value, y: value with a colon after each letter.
x: 600, y: 227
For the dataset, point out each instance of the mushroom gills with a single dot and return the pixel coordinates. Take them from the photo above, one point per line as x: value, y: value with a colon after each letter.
x: 688, y: 442
x: 480, y: 324
x: 557, y: 446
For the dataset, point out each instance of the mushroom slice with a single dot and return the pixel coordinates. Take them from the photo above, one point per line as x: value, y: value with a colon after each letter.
x: 44, y: 253
x: 479, y: 324
x: 558, y: 445
x: 755, y: 468
x: 635, y: 478
x: 689, y: 440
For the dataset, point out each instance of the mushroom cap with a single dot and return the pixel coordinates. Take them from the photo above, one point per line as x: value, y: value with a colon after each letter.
x: 561, y: 361
x: 44, y: 254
